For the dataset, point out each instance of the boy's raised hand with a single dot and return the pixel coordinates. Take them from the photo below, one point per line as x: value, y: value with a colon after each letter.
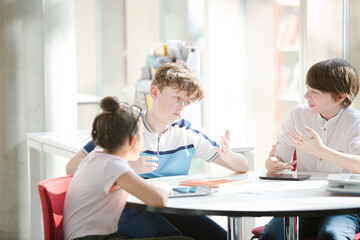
x: 312, y: 144
x: 275, y: 164
x: 229, y: 159
x: 224, y: 150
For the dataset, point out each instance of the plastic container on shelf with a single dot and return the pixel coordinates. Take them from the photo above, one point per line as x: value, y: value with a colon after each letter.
x: 193, y: 61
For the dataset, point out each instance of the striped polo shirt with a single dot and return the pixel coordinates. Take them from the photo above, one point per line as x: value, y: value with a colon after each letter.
x: 176, y: 148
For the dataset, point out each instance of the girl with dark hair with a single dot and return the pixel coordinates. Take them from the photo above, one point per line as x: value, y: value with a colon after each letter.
x: 99, y: 188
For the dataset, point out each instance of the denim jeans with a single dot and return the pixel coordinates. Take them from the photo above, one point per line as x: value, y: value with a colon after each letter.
x: 118, y: 237
x: 335, y: 227
x: 140, y: 224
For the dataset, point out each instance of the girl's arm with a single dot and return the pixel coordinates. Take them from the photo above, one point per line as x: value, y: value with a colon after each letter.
x: 150, y: 195
x: 74, y: 163
x: 315, y: 146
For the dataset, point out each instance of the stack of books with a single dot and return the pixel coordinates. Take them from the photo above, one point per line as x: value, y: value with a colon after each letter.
x: 213, y: 182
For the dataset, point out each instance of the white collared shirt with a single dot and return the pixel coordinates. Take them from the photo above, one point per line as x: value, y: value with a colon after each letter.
x: 341, y: 133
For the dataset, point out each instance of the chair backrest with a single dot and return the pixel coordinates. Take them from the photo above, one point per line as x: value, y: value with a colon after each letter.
x: 52, y: 196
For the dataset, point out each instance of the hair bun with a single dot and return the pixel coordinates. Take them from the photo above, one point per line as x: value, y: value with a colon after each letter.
x: 110, y: 104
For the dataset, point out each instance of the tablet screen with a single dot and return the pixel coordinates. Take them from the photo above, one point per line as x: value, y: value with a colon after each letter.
x: 285, y: 176
x: 185, y: 191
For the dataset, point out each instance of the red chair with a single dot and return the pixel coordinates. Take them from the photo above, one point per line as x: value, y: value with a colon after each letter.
x: 52, y: 196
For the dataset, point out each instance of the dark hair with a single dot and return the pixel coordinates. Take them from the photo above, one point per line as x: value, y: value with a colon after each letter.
x: 112, y: 127
x: 180, y: 76
x: 335, y: 76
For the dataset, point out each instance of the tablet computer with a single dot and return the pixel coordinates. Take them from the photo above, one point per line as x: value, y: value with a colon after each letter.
x: 285, y: 176
x: 187, y: 191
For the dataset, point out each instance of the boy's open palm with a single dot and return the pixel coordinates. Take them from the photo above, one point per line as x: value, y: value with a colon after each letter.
x: 274, y: 164
x: 227, y: 158
x: 224, y: 149
x: 312, y: 144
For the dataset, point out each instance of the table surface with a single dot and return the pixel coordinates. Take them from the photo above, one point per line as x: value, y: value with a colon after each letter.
x: 261, y: 198
x: 72, y: 141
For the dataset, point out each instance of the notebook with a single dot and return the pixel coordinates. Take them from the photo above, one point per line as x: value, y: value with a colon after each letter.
x: 213, y: 182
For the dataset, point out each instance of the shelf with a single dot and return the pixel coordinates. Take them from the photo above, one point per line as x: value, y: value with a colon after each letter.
x: 87, y: 99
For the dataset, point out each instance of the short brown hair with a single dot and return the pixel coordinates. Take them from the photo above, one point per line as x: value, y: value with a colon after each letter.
x: 335, y: 76
x: 180, y: 76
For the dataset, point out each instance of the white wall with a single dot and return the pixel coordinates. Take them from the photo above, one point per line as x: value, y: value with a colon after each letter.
x: 142, y: 31
x: 59, y: 74
x: 35, y: 78
x: 260, y: 78
x: 22, y: 107
x: 224, y: 70
x: 87, y: 61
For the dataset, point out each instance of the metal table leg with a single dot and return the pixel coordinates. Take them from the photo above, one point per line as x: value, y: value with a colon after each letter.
x: 291, y: 228
x: 235, y: 228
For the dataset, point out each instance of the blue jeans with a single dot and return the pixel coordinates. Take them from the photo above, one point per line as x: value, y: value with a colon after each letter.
x: 335, y: 227
x: 140, y: 224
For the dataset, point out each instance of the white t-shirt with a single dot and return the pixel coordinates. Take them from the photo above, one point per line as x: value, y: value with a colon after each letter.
x: 93, y: 204
x: 341, y: 133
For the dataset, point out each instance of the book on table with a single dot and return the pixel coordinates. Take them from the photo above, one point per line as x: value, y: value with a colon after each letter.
x: 213, y: 182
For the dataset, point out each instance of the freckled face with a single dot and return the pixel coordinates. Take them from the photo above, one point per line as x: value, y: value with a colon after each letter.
x: 322, y: 103
x: 171, y: 103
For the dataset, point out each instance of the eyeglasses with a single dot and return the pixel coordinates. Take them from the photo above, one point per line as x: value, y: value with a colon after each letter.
x: 134, y: 109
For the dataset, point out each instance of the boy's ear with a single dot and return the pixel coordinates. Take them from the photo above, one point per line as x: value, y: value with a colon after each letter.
x: 340, y: 98
x: 154, y: 91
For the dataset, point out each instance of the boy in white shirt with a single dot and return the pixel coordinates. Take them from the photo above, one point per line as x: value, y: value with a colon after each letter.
x: 332, y: 86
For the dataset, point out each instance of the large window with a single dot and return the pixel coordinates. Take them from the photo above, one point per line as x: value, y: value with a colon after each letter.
x: 353, y: 40
x: 254, y: 55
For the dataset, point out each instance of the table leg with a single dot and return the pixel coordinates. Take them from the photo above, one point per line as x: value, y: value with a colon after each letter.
x: 291, y: 228
x: 34, y: 172
x: 235, y: 228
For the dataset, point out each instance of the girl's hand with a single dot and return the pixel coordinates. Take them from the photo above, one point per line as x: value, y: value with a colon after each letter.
x: 312, y: 144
